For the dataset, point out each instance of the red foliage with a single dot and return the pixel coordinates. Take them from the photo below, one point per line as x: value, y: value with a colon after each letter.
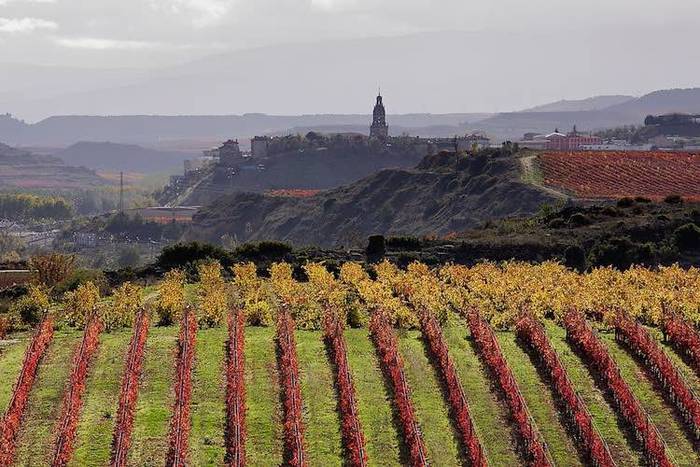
x: 129, y: 392
x: 535, y: 450
x: 458, y: 402
x: 579, y: 421
x: 235, y: 433
x: 291, y: 392
x: 352, y: 430
x: 73, y: 398
x: 392, y: 365
x: 683, y: 338
x: 658, y: 365
x: 180, y: 420
x: 582, y: 337
x: 608, y: 174
x: 12, y: 420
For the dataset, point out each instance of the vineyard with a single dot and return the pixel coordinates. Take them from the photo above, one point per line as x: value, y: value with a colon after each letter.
x: 495, y: 364
x: 597, y: 174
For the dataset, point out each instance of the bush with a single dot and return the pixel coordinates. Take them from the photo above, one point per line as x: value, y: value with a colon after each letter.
x: 266, y: 250
x: 182, y: 255
x: 30, y: 309
x: 625, y: 202
x: 673, y: 199
x: 127, y: 302
x: 52, y: 268
x: 403, y: 243
x: 81, y: 277
x: 556, y: 223
x: 687, y: 237
x: 376, y: 246
x: 642, y: 199
x: 81, y: 304
x: 621, y: 252
x: 579, y: 219
x: 171, y: 297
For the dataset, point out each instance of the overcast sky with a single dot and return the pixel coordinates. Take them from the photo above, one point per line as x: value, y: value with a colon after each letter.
x: 146, y: 34
x: 139, y: 33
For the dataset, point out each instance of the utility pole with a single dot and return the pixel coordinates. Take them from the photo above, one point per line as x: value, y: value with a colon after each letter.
x: 121, y: 192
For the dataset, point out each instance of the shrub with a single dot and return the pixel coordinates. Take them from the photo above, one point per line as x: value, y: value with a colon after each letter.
x: 556, y: 223
x: 673, y: 199
x: 376, y: 246
x: 212, y: 295
x: 127, y: 301
x: 403, y: 243
x: 30, y: 309
x: 183, y: 254
x: 625, y: 202
x: 687, y: 237
x: 171, y: 297
x: 575, y: 257
x: 81, y: 304
x: 642, y: 199
x: 52, y: 268
x: 579, y: 219
x: 80, y: 277
x: 263, y: 250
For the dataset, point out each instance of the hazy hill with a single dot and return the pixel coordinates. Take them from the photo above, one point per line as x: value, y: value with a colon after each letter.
x: 631, y: 112
x: 579, y: 105
x: 23, y: 170
x: 120, y: 157
x: 443, y: 193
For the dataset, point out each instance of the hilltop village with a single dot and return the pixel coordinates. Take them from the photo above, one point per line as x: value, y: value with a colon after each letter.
x: 229, y: 167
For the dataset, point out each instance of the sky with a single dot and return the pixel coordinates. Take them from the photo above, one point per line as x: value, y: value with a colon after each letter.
x: 143, y: 35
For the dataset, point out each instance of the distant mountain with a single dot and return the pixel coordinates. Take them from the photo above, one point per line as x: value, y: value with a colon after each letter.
x: 443, y: 193
x: 120, y: 157
x: 581, y: 105
x: 632, y: 112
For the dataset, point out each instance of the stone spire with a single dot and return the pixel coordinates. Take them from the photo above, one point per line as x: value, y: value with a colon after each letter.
x: 379, y: 128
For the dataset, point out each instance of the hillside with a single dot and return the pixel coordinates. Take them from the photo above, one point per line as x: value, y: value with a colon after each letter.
x: 580, y: 105
x: 107, y: 156
x: 443, y: 193
x: 23, y: 170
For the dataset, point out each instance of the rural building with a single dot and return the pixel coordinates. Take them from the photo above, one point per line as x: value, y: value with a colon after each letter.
x: 259, y: 146
x: 557, y: 141
x: 230, y: 154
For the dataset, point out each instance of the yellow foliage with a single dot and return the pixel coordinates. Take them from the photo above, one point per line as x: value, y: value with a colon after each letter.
x: 212, y: 295
x: 126, y: 303
x: 81, y: 304
x: 171, y: 297
x: 250, y: 294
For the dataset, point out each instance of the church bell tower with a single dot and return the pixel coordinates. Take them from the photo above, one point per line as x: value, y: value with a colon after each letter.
x: 379, y: 128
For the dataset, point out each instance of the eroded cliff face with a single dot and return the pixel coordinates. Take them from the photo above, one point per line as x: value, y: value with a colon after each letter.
x: 442, y: 194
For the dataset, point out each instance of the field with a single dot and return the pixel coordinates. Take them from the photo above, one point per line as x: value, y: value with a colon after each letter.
x: 474, y: 386
x: 599, y: 174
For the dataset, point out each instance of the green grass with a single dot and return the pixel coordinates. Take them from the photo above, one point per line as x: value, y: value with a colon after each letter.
x: 11, y: 359
x: 208, y: 398
x: 538, y: 397
x: 661, y: 413
x: 150, y: 436
x: 36, y: 437
x: 264, y: 412
x: 97, y: 418
x: 689, y: 374
x: 373, y: 400
x: 432, y: 411
x: 321, y: 420
x: 488, y: 415
x: 604, y: 417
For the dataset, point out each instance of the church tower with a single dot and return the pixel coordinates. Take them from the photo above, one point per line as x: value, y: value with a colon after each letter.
x: 379, y: 128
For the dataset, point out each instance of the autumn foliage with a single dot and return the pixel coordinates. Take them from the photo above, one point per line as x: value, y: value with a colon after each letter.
x: 353, y: 438
x: 73, y: 398
x: 387, y: 347
x: 458, y: 402
x: 581, y: 336
x: 128, y: 395
x: 235, y: 429
x: 578, y: 419
x: 295, y: 455
x: 534, y: 449
x: 180, y: 420
x: 11, y: 421
x: 660, y: 367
